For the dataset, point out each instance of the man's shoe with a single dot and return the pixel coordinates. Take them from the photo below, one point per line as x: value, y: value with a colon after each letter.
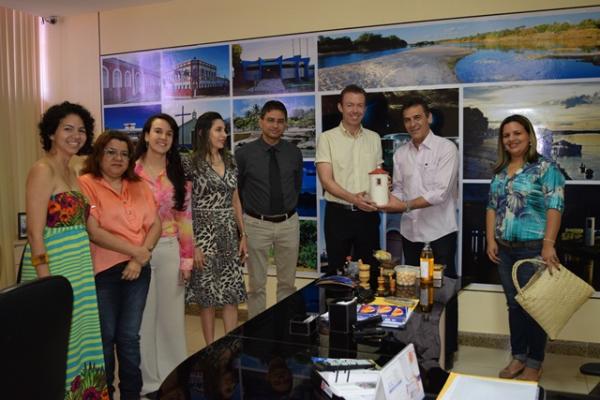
x: 152, y: 395
x: 512, y: 370
x: 530, y: 374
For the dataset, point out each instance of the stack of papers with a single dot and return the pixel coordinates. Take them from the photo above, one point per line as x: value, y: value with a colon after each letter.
x: 399, y: 379
x: 471, y: 387
x: 357, y: 384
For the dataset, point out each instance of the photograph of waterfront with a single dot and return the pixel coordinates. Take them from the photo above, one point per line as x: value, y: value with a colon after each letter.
x: 274, y: 66
x: 301, y: 121
x: 488, y: 49
x: 566, y: 117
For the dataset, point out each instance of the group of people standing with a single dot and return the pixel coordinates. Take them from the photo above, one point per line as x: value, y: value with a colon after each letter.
x: 143, y: 230
x: 523, y: 215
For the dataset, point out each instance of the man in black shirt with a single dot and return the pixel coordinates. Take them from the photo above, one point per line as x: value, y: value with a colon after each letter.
x: 269, y: 181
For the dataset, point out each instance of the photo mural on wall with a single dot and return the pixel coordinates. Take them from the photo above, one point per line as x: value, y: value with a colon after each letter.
x: 186, y: 113
x: 489, y: 49
x: 195, y: 72
x: 274, y: 66
x: 566, y: 118
x: 473, y: 71
x: 301, y: 121
x: 129, y: 119
x: 131, y: 78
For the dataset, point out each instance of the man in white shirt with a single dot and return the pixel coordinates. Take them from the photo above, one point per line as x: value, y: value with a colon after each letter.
x: 425, y: 189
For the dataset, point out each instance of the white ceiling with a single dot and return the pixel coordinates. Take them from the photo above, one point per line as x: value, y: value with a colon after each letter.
x: 45, y: 8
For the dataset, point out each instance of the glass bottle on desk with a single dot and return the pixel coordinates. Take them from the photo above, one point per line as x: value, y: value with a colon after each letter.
x: 426, y: 297
x: 426, y: 264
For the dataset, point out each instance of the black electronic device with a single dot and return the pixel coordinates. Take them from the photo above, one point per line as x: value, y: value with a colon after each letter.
x: 374, y: 320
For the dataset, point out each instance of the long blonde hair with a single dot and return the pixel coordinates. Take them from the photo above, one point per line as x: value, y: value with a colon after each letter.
x: 503, y: 156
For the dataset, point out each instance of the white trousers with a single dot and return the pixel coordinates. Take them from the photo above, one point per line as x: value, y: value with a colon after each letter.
x: 162, y: 334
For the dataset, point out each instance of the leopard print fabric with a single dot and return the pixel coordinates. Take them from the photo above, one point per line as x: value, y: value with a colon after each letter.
x: 215, y: 232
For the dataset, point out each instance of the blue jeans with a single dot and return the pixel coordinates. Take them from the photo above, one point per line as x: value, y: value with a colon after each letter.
x: 121, y: 306
x: 527, y: 338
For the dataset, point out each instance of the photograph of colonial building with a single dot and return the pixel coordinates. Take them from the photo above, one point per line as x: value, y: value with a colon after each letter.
x: 196, y: 73
x: 131, y: 79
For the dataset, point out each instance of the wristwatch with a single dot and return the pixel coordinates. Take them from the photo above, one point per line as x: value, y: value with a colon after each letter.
x: 407, y: 206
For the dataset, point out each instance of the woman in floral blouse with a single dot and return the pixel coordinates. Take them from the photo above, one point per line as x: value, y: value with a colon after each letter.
x: 163, y: 331
x: 526, y: 201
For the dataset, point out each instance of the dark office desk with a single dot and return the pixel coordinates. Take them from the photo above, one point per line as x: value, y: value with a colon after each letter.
x: 261, y: 359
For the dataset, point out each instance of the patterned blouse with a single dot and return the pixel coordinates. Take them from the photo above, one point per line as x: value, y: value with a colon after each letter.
x: 174, y: 223
x: 67, y: 209
x: 521, y: 201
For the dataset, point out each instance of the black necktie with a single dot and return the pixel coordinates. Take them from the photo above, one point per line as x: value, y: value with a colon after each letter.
x: 275, y: 184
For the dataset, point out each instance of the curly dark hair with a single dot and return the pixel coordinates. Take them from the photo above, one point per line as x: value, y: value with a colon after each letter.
x: 175, y: 171
x: 201, y: 142
x: 52, y: 117
x: 92, y: 163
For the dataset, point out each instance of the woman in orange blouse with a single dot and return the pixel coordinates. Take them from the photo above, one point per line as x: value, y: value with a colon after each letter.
x: 163, y: 325
x: 123, y: 226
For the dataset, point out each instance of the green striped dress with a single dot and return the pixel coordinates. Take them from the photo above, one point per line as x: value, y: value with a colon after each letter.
x: 68, y: 249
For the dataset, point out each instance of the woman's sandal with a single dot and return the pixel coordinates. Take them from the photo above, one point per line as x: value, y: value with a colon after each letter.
x: 512, y: 370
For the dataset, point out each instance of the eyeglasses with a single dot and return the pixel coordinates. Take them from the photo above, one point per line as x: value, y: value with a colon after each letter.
x: 113, y: 153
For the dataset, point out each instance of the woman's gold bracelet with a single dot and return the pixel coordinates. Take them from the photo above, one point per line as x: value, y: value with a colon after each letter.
x: 39, y: 259
x: 549, y: 240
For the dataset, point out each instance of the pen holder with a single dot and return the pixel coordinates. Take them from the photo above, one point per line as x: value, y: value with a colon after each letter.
x: 304, y: 325
x: 342, y: 316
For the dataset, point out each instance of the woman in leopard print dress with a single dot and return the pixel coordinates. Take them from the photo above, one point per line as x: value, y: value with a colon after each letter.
x: 218, y: 226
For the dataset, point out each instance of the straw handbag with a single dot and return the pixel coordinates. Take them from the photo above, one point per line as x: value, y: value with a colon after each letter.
x: 551, y: 299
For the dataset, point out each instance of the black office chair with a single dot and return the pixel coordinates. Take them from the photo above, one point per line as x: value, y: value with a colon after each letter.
x: 592, y: 369
x: 35, y: 319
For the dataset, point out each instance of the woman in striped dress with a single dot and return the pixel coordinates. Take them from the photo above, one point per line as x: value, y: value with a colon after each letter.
x: 59, y: 243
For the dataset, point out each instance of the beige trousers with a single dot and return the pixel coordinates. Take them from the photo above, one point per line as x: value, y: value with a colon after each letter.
x: 284, y: 238
x: 162, y: 335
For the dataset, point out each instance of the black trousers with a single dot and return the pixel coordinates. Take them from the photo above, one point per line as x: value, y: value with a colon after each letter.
x: 351, y: 233
x: 444, y: 252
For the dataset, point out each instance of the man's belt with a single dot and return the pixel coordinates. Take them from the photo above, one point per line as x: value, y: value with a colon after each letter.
x: 272, y: 218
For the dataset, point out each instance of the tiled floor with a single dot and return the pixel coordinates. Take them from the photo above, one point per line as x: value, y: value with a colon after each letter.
x: 560, y: 372
x: 193, y: 331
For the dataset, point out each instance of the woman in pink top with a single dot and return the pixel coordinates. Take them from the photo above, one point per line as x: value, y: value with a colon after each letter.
x: 163, y: 325
x: 123, y: 226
